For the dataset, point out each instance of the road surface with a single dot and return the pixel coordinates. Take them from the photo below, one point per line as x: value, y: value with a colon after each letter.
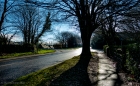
x: 15, y: 68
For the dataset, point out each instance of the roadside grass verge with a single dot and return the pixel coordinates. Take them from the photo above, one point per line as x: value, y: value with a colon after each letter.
x: 45, y: 76
x: 44, y: 51
x: 40, y: 51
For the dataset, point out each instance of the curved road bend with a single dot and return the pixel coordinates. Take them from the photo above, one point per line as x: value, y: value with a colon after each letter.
x: 15, y: 68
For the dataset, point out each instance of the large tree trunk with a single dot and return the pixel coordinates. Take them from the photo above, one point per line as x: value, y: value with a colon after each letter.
x: 35, y: 50
x: 85, y: 44
x: 85, y: 54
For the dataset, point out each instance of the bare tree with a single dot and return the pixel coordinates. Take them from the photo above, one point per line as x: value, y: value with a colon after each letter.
x: 6, y: 7
x: 89, y: 14
x: 6, y: 26
x: 62, y: 37
x: 28, y: 21
x: 108, y: 30
x: 130, y: 24
x: 74, y: 41
x: 68, y: 39
x: 3, y: 14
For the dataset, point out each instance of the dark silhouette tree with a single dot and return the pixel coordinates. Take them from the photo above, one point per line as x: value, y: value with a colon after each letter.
x: 89, y: 15
x: 129, y: 24
x: 6, y: 9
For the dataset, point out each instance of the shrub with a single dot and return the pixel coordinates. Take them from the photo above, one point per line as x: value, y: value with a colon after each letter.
x: 57, y: 46
x: 127, y: 57
x: 15, y: 48
x: 133, y: 60
x: 105, y: 48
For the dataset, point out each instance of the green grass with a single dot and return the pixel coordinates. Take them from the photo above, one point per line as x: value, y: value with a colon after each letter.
x: 12, y: 55
x: 43, y: 51
x: 45, y: 76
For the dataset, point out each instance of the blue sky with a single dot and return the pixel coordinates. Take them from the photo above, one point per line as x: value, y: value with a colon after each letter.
x: 49, y: 37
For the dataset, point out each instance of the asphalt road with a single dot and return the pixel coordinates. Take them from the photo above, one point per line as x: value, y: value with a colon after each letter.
x: 15, y: 68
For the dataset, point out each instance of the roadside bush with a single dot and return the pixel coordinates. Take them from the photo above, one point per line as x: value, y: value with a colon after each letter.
x: 105, y: 48
x: 57, y: 46
x: 27, y: 47
x: 133, y: 60
x: 133, y: 67
x: 127, y: 57
x: 15, y: 48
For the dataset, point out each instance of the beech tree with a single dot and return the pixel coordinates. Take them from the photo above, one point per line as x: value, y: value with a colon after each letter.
x: 89, y: 15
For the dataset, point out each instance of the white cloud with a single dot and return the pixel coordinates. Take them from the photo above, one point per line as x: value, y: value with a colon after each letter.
x: 17, y: 38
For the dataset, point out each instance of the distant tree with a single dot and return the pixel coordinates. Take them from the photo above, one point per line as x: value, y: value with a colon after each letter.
x: 71, y: 42
x: 97, y: 41
x: 67, y: 39
x: 62, y: 37
x: 74, y: 41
